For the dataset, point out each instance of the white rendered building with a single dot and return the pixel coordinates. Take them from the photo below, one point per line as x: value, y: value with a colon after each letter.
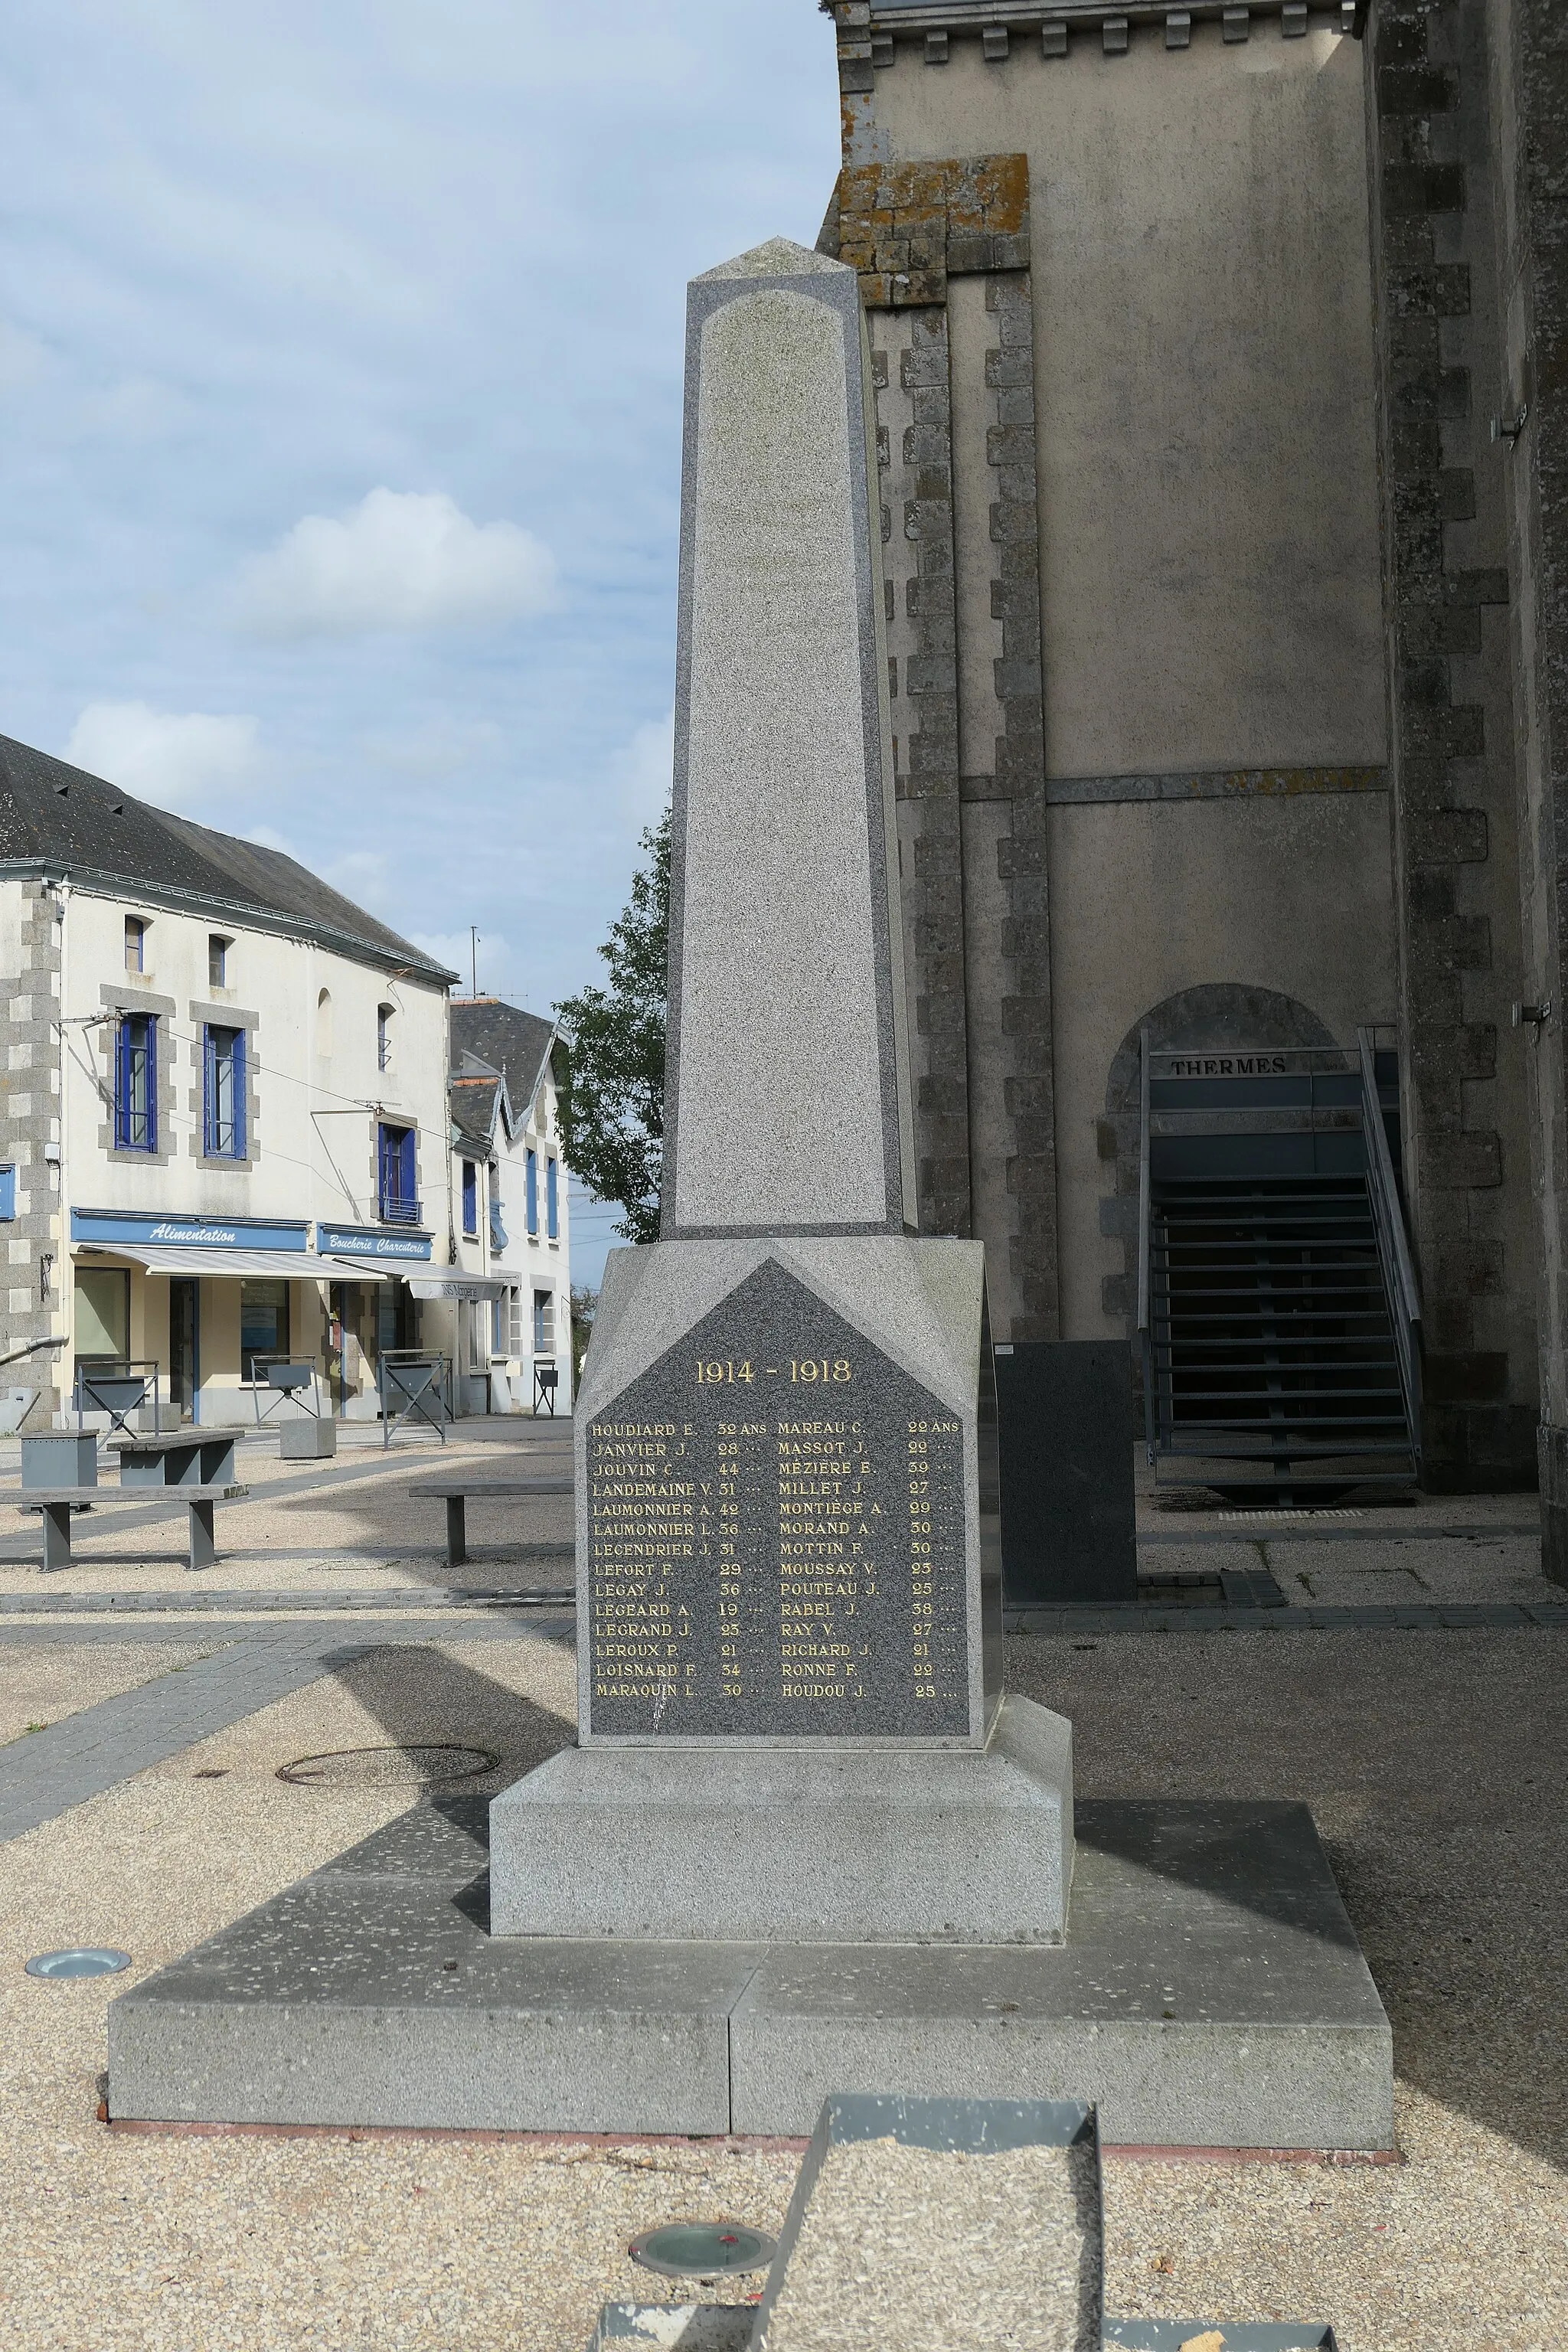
x: 225, y: 1131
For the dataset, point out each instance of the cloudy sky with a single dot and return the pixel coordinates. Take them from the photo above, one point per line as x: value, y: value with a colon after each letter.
x: 339, y: 384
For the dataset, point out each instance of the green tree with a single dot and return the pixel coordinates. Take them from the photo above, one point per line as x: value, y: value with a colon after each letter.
x: 612, y: 1110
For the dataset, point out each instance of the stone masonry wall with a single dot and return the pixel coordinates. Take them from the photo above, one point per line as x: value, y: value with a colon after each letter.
x: 30, y: 1119
x: 908, y: 229
x: 1452, y: 736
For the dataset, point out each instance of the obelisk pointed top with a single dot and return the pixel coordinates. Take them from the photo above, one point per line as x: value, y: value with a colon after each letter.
x: 779, y: 258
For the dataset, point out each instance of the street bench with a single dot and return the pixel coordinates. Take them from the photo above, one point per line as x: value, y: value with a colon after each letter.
x: 185, y: 1457
x: 455, y: 1492
x: 58, y: 1502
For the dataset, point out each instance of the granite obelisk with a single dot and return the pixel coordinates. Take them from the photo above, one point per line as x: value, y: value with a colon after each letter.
x: 788, y: 1578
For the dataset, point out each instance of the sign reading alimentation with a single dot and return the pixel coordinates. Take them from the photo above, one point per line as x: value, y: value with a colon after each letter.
x: 113, y: 1227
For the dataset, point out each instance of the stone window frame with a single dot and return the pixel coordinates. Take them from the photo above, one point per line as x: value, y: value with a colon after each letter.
x: 205, y: 1015
x: 118, y: 1000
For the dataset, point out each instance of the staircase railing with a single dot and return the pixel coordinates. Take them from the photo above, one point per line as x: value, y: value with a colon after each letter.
x: 1143, y: 1222
x: 1393, y: 1246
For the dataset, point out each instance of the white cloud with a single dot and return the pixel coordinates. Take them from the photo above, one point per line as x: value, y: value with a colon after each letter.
x: 643, y: 767
x: 176, y: 759
x: 454, y: 949
x: 400, y: 560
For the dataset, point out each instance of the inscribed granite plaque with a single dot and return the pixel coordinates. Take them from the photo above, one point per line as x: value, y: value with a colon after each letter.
x: 775, y: 1524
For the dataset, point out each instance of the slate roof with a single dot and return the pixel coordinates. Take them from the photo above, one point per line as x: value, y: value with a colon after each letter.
x: 474, y: 1096
x: 502, y: 1037
x: 59, y: 820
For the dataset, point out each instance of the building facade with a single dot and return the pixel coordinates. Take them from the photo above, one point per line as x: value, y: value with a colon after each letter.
x: 1220, y: 365
x: 226, y: 1120
x: 511, y: 1235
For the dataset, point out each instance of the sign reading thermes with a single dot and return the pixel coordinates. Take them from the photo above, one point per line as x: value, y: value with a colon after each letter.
x: 776, y: 1537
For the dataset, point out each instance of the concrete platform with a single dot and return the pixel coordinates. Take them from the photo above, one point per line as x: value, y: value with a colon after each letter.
x: 1211, y: 1992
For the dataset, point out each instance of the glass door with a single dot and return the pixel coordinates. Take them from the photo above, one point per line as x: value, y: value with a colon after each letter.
x: 184, y: 1343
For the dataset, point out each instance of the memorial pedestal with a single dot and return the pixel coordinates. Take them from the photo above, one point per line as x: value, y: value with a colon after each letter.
x: 768, y: 1846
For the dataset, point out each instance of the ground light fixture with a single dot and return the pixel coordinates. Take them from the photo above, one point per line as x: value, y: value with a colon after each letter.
x: 702, y: 2249
x: 79, y: 1960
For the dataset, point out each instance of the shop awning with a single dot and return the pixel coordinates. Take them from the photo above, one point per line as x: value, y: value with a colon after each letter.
x: 474, y: 1286
x: 282, y: 1265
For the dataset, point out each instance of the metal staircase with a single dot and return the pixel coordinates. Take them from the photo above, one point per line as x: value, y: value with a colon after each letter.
x: 1277, y: 1310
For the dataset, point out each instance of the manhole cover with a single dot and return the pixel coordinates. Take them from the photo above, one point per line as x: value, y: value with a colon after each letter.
x: 387, y: 1768
x: 80, y: 1960
x: 702, y: 2249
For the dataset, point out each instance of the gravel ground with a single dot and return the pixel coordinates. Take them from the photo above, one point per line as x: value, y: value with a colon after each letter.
x: 938, y: 2250
x: 1436, y: 1764
x: 1436, y: 1767
x: 40, y: 1686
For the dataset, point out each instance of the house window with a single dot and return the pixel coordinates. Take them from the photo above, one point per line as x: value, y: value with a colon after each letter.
x: 383, y: 1036
x: 395, y: 1155
x: 533, y: 1194
x: 102, y: 1314
x: 136, y: 1082
x: 7, y: 1194
x: 224, y: 1094
x: 263, y: 1323
x: 500, y: 1324
x: 135, y: 943
x: 544, y: 1322
x: 217, y: 960
x: 470, y: 1200
x: 497, y: 1230
x: 552, y: 1205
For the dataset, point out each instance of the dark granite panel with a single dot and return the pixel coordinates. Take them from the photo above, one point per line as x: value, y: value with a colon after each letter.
x: 1067, y: 1520
x: 776, y: 1536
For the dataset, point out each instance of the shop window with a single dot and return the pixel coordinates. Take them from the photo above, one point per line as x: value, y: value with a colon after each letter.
x: 217, y: 960
x: 136, y: 1082
x: 544, y: 1322
x: 396, y: 1176
x: 224, y: 1093
x: 470, y: 1200
x: 263, y: 1323
x: 383, y: 1036
x: 135, y: 943
x: 102, y: 1320
x: 551, y: 1203
x: 533, y: 1195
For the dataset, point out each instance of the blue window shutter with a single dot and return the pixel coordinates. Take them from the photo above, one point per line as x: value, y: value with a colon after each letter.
x: 552, y: 1215
x: 239, y: 1094
x: 407, y: 1188
x: 152, y: 1083
x: 121, y: 1083
x: 533, y: 1193
x: 7, y: 1194
x: 209, y: 1090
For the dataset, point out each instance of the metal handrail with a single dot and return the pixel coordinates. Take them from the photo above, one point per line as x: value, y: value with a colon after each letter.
x: 1144, y: 1219
x: 1392, y: 1244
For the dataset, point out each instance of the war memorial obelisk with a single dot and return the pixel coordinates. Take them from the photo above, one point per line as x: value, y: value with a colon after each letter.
x: 788, y: 1581
x: 804, y: 1843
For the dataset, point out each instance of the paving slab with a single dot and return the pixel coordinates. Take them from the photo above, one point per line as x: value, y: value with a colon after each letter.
x: 1211, y: 1992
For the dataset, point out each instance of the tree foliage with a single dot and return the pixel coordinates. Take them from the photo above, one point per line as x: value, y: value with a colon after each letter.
x: 612, y: 1110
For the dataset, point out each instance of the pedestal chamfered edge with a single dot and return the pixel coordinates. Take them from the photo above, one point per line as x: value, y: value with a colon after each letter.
x: 922, y: 1304
x: 780, y: 267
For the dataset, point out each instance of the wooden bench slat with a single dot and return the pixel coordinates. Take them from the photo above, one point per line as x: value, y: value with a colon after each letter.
x: 23, y: 1497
